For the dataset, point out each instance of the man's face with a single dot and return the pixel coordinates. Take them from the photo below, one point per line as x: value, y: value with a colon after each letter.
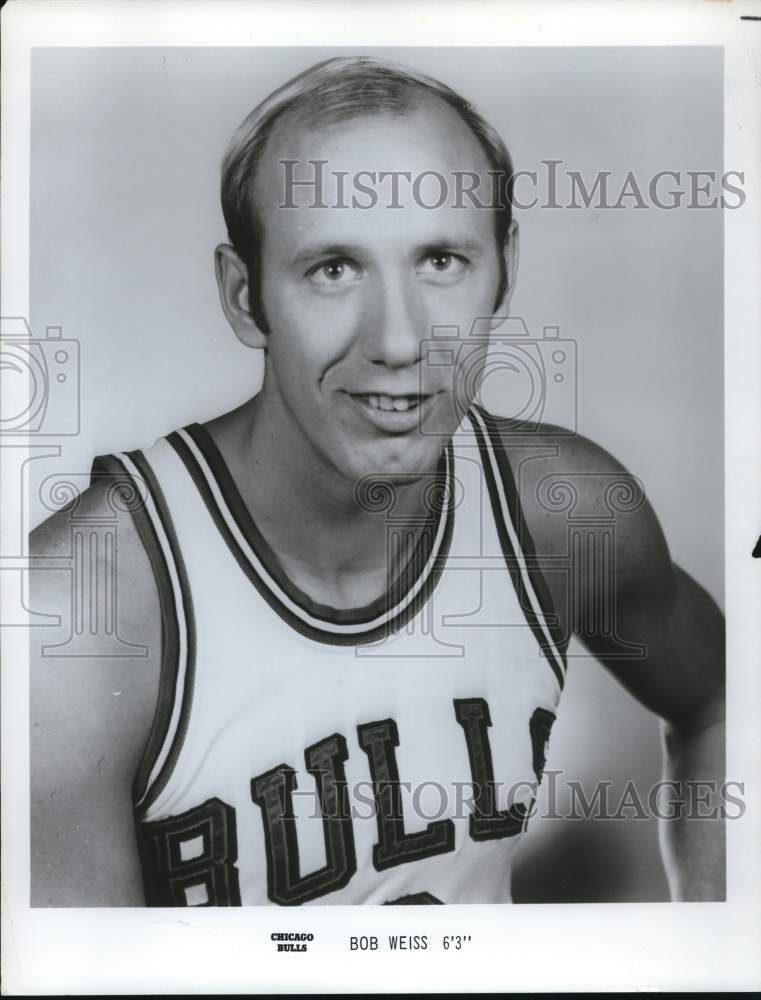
x: 351, y: 294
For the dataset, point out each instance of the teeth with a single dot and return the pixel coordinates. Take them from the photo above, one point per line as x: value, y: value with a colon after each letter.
x: 389, y: 403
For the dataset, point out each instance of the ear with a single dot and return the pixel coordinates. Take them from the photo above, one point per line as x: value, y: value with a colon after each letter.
x: 512, y: 246
x: 232, y: 282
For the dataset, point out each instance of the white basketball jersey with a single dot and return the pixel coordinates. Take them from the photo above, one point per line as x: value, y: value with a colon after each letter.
x: 304, y: 754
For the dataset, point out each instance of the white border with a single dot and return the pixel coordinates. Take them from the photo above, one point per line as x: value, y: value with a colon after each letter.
x: 621, y: 946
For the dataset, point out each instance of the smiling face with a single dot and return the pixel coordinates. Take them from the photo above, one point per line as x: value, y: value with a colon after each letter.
x: 351, y: 294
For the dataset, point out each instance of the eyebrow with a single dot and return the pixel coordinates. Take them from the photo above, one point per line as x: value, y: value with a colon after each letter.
x: 454, y: 244
x: 314, y: 252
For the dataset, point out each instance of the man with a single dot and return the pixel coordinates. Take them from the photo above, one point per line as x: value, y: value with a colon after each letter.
x: 356, y: 589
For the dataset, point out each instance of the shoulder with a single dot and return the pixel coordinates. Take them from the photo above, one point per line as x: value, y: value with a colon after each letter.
x: 571, y: 487
x: 94, y: 672
x: 113, y: 503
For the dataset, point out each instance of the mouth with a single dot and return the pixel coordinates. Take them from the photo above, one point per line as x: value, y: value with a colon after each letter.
x: 397, y: 414
x: 395, y: 404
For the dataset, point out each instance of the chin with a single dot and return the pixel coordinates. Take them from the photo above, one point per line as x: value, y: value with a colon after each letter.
x: 404, y: 459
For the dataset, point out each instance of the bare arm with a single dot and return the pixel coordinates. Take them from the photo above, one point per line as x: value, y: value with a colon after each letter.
x: 678, y: 669
x: 90, y: 718
x: 682, y: 680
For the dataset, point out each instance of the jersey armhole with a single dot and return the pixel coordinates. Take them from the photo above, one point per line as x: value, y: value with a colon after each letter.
x: 517, y: 543
x: 156, y: 532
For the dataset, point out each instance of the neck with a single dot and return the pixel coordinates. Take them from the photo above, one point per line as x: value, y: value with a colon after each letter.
x: 327, y: 541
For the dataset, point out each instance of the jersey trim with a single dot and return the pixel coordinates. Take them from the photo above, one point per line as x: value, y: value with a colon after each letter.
x: 178, y: 645
x: 517, y: 544
x: 321, y: 623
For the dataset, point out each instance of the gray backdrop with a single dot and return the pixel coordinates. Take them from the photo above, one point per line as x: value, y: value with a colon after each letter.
x: 126, y: 145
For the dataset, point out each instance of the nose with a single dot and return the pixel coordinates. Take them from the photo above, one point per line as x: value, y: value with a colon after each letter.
x: 394, y: 324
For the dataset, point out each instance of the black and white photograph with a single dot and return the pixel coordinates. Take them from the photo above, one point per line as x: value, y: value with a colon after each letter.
x: 374, y: 502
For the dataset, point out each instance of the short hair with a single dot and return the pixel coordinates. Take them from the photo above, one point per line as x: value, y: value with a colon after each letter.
x: 328, y: 93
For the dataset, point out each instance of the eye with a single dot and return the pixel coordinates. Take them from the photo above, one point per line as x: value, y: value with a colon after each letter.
x: 443, y: 264
x: 333, y: 272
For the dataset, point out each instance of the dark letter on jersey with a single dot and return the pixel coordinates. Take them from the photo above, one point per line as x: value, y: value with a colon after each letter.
x: 540, y: 727
x: 189, y: 860
x: 486, y: 823
x: 395, y: 847
x: 273, y: 793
